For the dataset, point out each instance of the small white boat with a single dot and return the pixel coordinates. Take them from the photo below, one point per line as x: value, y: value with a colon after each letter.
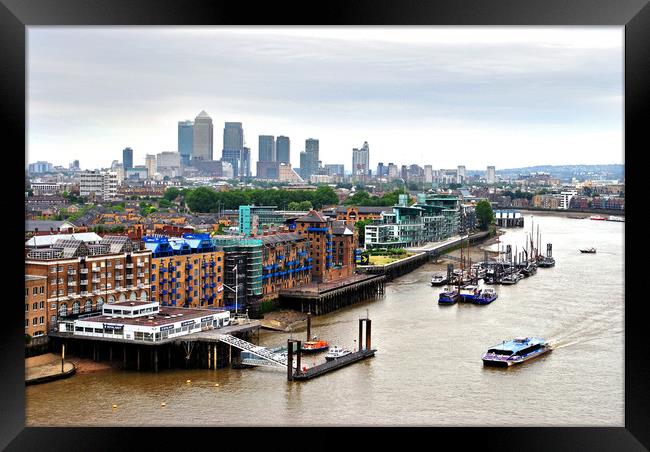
x: 336, y: 352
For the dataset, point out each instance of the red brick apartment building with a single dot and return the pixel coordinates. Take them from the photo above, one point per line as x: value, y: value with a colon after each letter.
x: 285, y: 262
x: 331, y: 246
x: 37, y: 311
x: 79, y: 277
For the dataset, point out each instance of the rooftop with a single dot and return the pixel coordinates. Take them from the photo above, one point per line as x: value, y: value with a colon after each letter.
x: 161, y: 318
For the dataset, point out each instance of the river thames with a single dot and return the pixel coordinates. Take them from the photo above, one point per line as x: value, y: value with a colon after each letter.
x: 427, y: 370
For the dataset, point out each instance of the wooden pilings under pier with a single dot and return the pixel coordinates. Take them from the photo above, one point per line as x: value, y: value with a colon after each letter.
x: 324, y: 298
x: 194, y: 351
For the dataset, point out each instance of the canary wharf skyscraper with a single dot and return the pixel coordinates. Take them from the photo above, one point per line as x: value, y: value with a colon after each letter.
x: 282, y: 149
x: 233, y: 145
x: 266, y: 148
x: 202, y: 137
x: 185, y: 140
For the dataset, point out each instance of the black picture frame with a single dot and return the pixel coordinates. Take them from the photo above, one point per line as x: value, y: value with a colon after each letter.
x: 16, y: 15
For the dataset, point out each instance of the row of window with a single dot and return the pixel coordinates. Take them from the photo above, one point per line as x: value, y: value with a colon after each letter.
x: 178, y: 263
x: 38, y: 321
x: 35, y: 290
x: 36, y: 305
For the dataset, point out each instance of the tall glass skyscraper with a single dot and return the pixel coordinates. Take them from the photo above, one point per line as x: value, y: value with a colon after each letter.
x: 185, y: 140
x: 233, y: 145
x: 266, y: 148
x: 310, y: 159
x: 202, y: 137
x: 127, y: 158
x: 282, y: 149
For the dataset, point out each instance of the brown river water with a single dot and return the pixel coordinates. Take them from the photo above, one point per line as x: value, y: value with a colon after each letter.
x: 427, y: 370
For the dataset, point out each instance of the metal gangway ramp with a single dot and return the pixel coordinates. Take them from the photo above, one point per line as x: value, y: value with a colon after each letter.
x: 267, y: 357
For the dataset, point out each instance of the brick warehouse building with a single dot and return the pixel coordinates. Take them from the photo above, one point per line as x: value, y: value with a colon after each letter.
x: 81, y: 277
x: 331, y: 246
x: 37, y: 310
x: 187, y: 271
x: 285, y: 262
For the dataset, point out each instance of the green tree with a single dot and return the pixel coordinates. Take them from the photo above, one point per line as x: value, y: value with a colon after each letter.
x: 305, y: 205
x: 361, y: 228
x: 484, y: 214
x: 293, y: 205
x: 172, y: 193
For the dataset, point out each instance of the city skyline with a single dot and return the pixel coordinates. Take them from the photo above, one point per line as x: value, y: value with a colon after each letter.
x: 445, y: 96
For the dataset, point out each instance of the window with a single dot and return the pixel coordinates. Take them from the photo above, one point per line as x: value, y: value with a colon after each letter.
x: 53, y: 319
x: 89, y: 306
x: 108, y: 311
x: 42, y: 289
x: 153, y: 266
x: 26, y: 307
x: 75, y: 307
x: 26, y: 292
x: 41, y: 320
x: 35, y: 306
x: 53, y: 306
x: 34, y: 321
x: 26, y: 323
x: 63, y: 309
x: 35, y: 291
x: 41, y: 305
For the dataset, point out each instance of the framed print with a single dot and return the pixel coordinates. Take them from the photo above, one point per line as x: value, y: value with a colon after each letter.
x: 368, y: 215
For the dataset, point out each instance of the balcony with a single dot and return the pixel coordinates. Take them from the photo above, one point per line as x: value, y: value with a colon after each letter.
x: 96, y: 269
x: 84, y: 282
x: 129, y: 265
x: 72, y: 283
x: 83, y: 293
x: 140, y: 275
x: 119, y: 277
x: 119, y: 266
x: 83, y: 271
x: 96, y: 280
x: 72, y: 272
x: 129, y: 276
x: 140, y: 264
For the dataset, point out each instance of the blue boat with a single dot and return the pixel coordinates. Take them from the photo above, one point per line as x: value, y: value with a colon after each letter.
x: 448, y: 296
x: 469, y: 293
x: 486, y: 296
x: 515, y: 351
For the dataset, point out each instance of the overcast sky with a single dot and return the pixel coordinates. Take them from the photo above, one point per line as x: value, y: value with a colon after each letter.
x: 444, y: 96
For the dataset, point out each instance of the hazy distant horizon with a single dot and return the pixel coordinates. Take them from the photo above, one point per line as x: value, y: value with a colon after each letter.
x: 510, y: 97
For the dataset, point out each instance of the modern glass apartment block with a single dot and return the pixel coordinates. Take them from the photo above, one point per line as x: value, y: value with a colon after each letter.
x: 252, y: 219
x: 431, y: 219
x: 246, y: 254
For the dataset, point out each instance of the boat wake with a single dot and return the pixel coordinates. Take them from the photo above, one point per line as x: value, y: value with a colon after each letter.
x: 600, y: 325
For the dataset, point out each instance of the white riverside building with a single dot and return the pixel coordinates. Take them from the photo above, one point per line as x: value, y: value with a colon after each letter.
x: 139, y: 321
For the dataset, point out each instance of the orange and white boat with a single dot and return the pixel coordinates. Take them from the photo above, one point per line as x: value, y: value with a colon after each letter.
x: 315, y: 345
x: 598, y: 217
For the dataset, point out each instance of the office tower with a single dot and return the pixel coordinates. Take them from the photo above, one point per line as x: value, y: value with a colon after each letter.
x: 98, y: 184
x: 266, y: 148
x: 202, y: 137
x: 428, y: 173
x: 185, y: 141
x: 393, y: 171
x: 490, y: 176
x: 361, y: 160
x: 245, y: 162
x: 150, y: 163
x: 381, y: 169
x: 127, y: 158
x: 335, y: 170
x: 74, y: 165
x: 233, y: 144
x: 168, y: 164
x: 404, y: 173
x: 282, y: 149
x: 461, y: 174
x: 310, y: 164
